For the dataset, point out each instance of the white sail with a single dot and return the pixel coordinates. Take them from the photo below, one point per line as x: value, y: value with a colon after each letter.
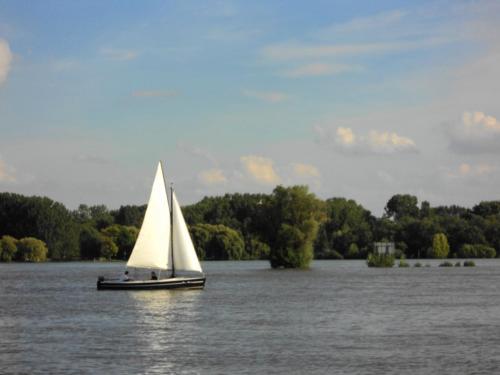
x: 153, y: 242
x: 185, y: 258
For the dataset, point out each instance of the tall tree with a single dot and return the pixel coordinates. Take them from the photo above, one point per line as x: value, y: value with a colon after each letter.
x: 293, y: 216
x: 440, y: 248
x: 402, y: 205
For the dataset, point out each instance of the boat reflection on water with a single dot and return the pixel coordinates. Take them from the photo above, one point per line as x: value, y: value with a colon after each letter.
x: 164, y: 317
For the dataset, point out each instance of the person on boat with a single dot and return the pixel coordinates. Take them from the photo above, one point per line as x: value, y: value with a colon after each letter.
x: 153, y: 276
x: 125, y: 276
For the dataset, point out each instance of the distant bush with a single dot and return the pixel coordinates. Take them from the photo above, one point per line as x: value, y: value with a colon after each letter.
x: 380, y: 260
x: 403, y: 263
x: 457, y: 264
x: 32, y: 250
x: 469, y: 263
x: 476, y: 251
x: 418, y: 264
x: 8, y: 248
x: 352, y: 252
x: 446, y: 264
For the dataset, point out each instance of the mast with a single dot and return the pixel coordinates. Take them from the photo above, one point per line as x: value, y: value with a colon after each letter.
x: 172, y: 228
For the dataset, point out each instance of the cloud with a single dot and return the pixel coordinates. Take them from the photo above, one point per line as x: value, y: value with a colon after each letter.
x: 119, y: 54
x: 345, y: 136
x: 478, y: 122
x: 320, y: 69
x: 305, y: 170
x: 267, y: 96
x: 211, y: 177
x: 376, y: 21
x: 301, y: 51
x: 375, y: 142
x: 5, y: 60
x: 475, y: 133
x: 469, y: 170
x: 154, y: 94
x: 260, y: 169
x: 387, y: 142
x: 6, y: 173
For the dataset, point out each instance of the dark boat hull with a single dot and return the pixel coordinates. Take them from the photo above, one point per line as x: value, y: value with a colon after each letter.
x: 172, y: 283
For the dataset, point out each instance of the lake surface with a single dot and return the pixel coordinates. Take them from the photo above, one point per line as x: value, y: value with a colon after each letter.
x: 339, y: 317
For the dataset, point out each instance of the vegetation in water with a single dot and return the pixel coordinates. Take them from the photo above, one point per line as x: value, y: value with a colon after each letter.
x: 457, y: 264
x: 469, y: 263
x: 446, y: 264
x: 403, y: 263
x: 293, y: 215
x: 380, y: 260
x: 417, y: 264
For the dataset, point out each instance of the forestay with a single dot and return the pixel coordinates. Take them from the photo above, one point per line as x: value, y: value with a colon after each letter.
x: 153, y: 242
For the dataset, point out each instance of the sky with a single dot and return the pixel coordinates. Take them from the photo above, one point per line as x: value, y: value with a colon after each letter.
x: 361, y: 100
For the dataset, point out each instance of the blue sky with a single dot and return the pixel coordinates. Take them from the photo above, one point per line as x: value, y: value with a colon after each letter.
x: 362, y: 100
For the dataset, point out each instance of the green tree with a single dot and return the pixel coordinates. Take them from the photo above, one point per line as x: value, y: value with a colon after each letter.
x: 353, y: 252
x: 487, y: 208
x: 226, y: 244
x: 130, y: 215
x: 201, y: 236
x: 8, y: 247
x: 346, y: 223
x: 32, y: 250
x: 42, y: 218
x: 90, y: 242
x: 123, y: 236
x: 293, y: 215
x: 101, y: 216
x: 217, y: 242
x: 108, y: 248
x: 401, y: 205
x: 256, y: 249
x: 440, y: 247
x: 476, y: 251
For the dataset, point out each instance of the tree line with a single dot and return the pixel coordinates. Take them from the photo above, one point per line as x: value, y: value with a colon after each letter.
x: 289, y: 227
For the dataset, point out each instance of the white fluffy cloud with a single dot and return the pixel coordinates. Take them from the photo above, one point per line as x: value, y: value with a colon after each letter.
x: 305, y: 170
x: 375, y: 142
x: 260, y: 169
x: 345, y: 136
x: 5, y: 60
x: 212, y: 177
x: 478, y: 123
x: 387, y: 142
x: 477, y: 132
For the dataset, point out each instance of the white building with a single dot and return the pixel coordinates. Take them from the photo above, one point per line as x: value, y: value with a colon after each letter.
x: 387, y: 248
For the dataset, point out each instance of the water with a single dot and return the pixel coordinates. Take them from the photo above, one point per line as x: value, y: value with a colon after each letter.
x: 337, y: 318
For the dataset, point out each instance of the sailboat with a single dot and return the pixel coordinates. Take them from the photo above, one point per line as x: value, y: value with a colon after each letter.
x: 163, y: 244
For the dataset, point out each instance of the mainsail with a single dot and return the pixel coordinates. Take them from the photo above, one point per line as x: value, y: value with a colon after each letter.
x: 153, y: 242
x: 184, y: 255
